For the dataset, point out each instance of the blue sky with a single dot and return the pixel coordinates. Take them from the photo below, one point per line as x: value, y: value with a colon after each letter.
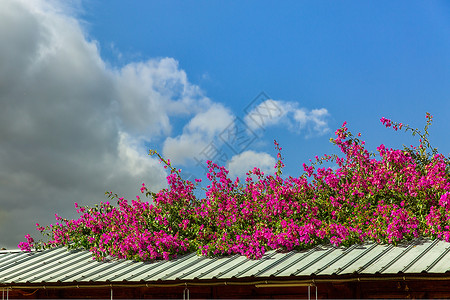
x: 360, y: 61
x: 86, y: 89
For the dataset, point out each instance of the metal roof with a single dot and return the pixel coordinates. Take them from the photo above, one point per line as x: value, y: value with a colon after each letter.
x: 59, y: 265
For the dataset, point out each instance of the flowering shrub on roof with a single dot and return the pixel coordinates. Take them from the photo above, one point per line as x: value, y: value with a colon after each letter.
x: 395, y: 195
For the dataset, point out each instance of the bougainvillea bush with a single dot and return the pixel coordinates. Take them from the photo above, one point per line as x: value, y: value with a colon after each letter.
x: 386, y: 197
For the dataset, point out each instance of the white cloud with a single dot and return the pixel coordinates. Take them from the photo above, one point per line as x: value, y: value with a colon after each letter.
x: 314, y: 121
x: 70, y: 126
x: 212, y: 121
x: 183, y: 147
x: 159, y: 89
x: 274, y: 112
x: 197, y: 134
x: 267, y: 113
x: 247, y: 160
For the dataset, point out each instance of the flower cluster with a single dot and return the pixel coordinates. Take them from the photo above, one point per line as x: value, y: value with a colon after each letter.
x: 387, y: 197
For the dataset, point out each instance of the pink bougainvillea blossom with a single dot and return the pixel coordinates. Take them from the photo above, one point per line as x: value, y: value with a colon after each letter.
x: 394, y: 195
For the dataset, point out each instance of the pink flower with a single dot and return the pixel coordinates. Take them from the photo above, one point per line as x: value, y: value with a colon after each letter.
x: 386, y: 122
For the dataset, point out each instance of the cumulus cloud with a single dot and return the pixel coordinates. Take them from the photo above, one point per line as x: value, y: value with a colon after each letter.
x: 273, y: 112
x: 70, y: 126
x: 197, y: 134
x: 247, y: 160
x: 149, y: 93
x: 267, y: 113
x: 315, y: 120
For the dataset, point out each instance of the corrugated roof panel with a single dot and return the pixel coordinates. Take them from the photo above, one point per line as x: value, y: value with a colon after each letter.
x: 398, y: 262
x: 6, y: 263
x: 317, y: 264
x: 5, y: 257
x: 168, y: 267
x: 272, y: 267
x: 149, y: 271
x: 28, y: 263
x: 425, y: 259
x: 350, y: 263
x: 441, y: 263
x: 217, y: 264
x: 255, y: 267
x: 296, y: 259
x: 309, y: 260
x: 49, y: 266
x: 111, y: 268
x: 99, y: 269
x: 115, y: 272
x: 335, y: 260
x: 238, y: 265
x: 419, y: 256
x: 197, y: 269
x: 411, y: 257
x: 228, y: 265
x: 68, y: 269
x: 179, y: 270
x: 376, y: 263
x: 369, y: 259
x: 87, y: 270
x: 127, y: 273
